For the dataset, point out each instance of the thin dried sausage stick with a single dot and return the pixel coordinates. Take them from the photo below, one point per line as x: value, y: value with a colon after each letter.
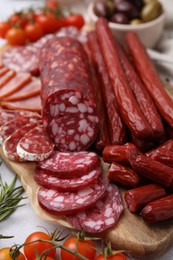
x: 163, y: 156
x: 117, y: 128
x: 127, y: 103
x: 151, y: 169
x: 158, y: 210
x: 123, y: 175
x: 150, y: 77
x: 139, y: 197
x: 168, y: 145
x: 142, y: 95
x: 69, y: 109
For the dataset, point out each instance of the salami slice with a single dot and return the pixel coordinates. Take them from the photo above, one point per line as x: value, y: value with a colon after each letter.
x: 69, y: 165
x: 10, y: 144
x: 69, y: 108
x: 7, y: 129
x: 7, y: 115
x: 105, y: 213
x: 17, y: 82
x: 35, y: 145
x: 3, y: 70
x: 60, y: 203
x: 31, y: 104
x: 30, y: 89
x: 22, y: 59
x: 53, y: 182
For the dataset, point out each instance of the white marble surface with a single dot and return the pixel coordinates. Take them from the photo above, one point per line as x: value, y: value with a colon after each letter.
x: 24, y: 220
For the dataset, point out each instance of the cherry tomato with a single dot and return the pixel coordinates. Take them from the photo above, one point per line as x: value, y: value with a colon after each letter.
x: 47, y: 258
x: 47, y: 22
x: 119, y: 256
x: 84, y: 247
x: 4, y: 27
x: 39, y: 246
x: 76, y: 20
x: 52, y: 3
x: 5, y: 254
x: 33, y: 31
x: 16, y: 36
x: 18, y: 19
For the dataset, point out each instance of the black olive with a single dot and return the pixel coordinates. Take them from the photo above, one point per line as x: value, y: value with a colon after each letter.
x: 128, y: 9
x: 100, y: 8
x: 138, y: 3
x: 119, y: 18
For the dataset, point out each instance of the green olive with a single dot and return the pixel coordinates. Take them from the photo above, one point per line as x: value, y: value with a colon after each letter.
x: 151, y: 11
x: 149, y: 1
x: 136, y: 21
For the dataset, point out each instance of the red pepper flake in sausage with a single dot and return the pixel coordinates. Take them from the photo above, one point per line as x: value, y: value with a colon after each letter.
x: 66, y: 203
x: 139, y: 197
x: 69, y: 109
x: 105, y: 213
x: 69, y: 165
x: 53, y: 182
x: 35, y: 145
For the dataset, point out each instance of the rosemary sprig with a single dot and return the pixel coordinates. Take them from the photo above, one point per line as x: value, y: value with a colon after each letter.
x: 10, y: 196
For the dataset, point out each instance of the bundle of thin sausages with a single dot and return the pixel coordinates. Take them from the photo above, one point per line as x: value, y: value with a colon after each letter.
x: 136, y: 100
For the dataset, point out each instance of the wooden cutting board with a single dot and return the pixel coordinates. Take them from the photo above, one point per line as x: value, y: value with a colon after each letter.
x: 131, y: 234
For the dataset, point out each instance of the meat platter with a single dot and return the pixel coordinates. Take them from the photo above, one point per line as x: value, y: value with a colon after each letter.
x: 131, y: 233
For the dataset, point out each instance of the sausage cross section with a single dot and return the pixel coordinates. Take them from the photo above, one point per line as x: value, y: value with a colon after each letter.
x: 69, y: 108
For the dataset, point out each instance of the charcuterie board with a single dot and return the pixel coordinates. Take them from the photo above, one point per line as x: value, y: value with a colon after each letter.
x: 131, y: 234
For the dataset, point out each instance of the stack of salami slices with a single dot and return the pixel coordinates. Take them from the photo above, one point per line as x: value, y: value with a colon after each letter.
x: 72, y: 184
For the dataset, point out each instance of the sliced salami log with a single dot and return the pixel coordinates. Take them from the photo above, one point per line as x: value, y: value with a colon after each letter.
x: 30, y: 89
x: 105, y: 213
x: 35, y: 145
x: 69, y: 108
x: 30, y: 104
x: 17, y: 82
x: 70, y: 164
x: 10, y: 144
x: 6, y: 77
x: 7, y: 115
x: 22, y: 59
x: 60, y: 203
x: 7, y: 129
x: 53, y: 182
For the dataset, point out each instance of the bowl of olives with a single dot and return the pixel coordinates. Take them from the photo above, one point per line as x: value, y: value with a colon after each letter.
x: 145, y: 17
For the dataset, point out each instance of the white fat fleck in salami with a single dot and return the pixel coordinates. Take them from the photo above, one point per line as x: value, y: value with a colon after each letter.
x: 105, y: 213
x: 70, y: 164
x: 67, y: 94
x: 60, y: 203
x: 10, y: 144
x: 53, y: 182
x: 35, y: 145
x: 8, y: 128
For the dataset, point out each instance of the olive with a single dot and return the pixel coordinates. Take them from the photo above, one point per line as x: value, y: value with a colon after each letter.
x: 151, y: 11
x: 116, y: 2
x: 138, y: 3
x: 110, y: 7
x: 149, y: 1
x: 119, y: 18
x: 100, y: 8
x: 136, y: 21
x: 128, y: 9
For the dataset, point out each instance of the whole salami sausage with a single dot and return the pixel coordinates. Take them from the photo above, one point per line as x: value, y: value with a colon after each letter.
x: 129, y: 109
x: 69, y: 109
x: 150, y: 77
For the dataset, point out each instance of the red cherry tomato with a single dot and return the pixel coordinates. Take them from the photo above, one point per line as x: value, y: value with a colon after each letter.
x: 52, y: 3
x: 5, y: 254
x: 76, y: 20
x: 47, y: 22
x: 16, y: 36
x: 119, y: 256
x: 33, y: 31
x: 39, y: 246
x: 84, y: 247
x: 4, y: 27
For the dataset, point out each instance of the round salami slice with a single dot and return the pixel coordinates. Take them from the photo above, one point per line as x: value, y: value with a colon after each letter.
x: 60, y: 203
x: 69, y: 165
x: 10, y: 144
x: 7, y: 115
x: 53, y: 182
x: 69, y: 108
x: 35, y: 145
x: 8, y: 128
x: 105, y: 213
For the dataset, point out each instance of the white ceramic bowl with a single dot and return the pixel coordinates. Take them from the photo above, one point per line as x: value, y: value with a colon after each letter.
x: 149, y: 33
